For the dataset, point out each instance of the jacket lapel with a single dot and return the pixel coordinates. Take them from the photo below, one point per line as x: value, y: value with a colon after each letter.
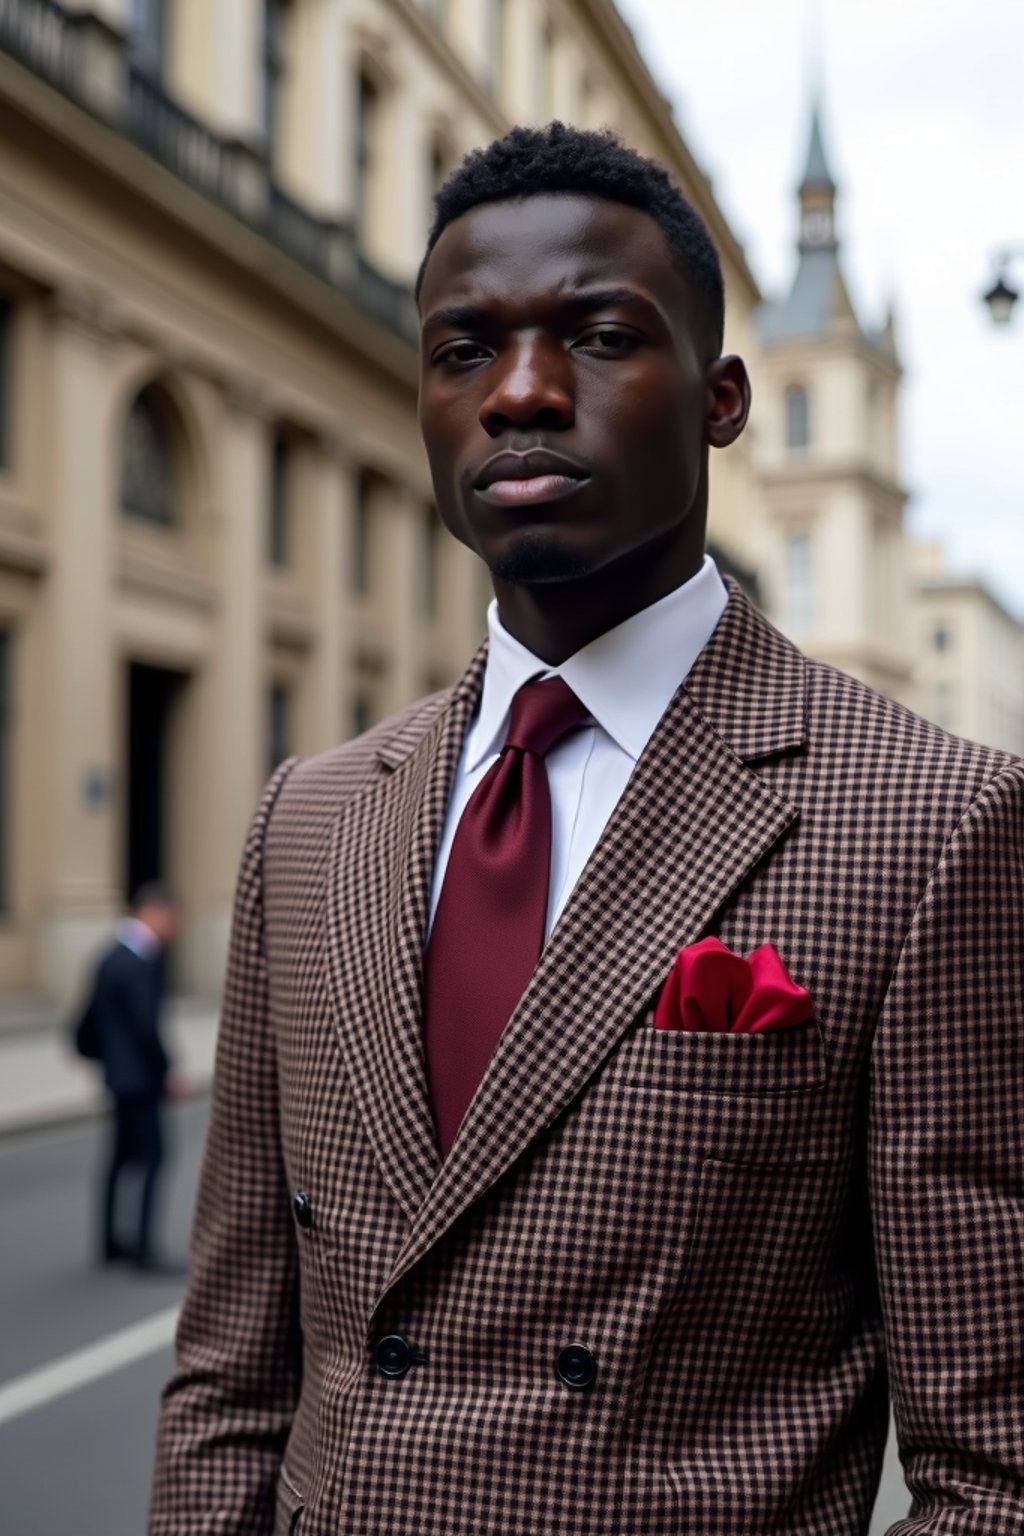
x: 692, y: 823
x: 380, y: 871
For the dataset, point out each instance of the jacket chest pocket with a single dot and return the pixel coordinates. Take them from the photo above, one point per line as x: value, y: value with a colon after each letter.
x: 778, y: 1061
x: 746, y: 1098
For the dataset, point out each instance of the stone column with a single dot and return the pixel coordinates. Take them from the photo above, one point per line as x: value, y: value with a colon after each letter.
x: 403, y: 541
x: 87, y: 792
x: 522, y: 61
x: 324, y: 496
x: 320, y: 124
x: 567, y: 78
x: 233, y: 767
x: 215, y: 63
x: 408, y: 201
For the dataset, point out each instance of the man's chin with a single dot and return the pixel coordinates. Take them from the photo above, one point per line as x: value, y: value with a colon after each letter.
x: 539, y: 561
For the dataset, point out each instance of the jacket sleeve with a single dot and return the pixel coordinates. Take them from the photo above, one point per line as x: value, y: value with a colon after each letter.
x: 228, y: 1407
x: 947, y: 1179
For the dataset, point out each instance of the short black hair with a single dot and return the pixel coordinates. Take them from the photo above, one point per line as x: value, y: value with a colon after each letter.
x: 531, y: 161
x: 153, y: 893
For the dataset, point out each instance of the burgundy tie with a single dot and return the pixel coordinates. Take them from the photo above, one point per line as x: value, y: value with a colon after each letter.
x: 489, y: 925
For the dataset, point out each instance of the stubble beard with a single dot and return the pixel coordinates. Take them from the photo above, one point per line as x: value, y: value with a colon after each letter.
x: 539, y: 560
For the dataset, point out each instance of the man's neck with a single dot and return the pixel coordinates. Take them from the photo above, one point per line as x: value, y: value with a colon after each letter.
x: 555, y: 620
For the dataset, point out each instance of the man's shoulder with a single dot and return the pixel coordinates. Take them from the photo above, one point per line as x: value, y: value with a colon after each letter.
x: 318, y: 786
x: 888, y: 749
x: 767, y: 696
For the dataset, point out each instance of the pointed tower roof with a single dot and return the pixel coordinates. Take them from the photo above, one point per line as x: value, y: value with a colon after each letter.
x: 817, y: 176
x: 818, y: 306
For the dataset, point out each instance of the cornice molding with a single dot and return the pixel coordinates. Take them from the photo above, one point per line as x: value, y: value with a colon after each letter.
x: 88, y: 310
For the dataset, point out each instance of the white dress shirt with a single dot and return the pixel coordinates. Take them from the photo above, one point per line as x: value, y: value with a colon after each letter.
x: 626, y: 679
x: 138, y: 937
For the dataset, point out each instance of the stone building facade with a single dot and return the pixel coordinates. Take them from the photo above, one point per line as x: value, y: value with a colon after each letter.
x: 969, y: 651
x: 217, y: 543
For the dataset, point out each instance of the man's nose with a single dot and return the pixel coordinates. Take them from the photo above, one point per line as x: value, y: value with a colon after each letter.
x: 533, y: 388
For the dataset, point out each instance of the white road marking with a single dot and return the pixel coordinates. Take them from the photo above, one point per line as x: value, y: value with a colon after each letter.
x: 95, y: 1361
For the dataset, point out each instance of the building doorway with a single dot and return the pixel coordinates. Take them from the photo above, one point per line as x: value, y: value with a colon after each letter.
x: 154, y: 703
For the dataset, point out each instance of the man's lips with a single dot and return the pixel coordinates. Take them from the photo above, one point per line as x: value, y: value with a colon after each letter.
x: 517, y: 479
x: 508, y: 493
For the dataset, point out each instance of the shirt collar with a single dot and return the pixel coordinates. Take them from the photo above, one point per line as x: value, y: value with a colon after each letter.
x: 625, y: 678
x: 138, y: 937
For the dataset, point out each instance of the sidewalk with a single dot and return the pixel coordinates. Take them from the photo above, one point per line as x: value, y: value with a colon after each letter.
x: 43, y: 1083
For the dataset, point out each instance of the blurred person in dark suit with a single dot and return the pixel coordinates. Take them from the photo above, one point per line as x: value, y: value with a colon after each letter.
x: 124, y: 1019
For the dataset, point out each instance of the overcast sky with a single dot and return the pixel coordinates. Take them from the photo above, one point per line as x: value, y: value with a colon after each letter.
x: 924, y: 127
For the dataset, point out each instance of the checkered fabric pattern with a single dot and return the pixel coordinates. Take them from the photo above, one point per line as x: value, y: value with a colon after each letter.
x: 751, y: 1234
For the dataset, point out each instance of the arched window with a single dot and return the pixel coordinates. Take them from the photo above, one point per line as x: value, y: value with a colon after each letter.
x: 149, y: 467
x: 798, y: 417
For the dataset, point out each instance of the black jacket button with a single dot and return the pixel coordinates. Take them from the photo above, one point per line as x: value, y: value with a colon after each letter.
x: 576, y: 1366
x: 393, y: 1355
x: 303, y: 1209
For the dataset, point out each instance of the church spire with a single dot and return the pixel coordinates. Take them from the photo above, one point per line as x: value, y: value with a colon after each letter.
x: 817, y: 193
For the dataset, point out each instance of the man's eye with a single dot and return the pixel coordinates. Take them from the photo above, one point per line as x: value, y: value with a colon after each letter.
x: 606, y: 339
x: 461, y: 352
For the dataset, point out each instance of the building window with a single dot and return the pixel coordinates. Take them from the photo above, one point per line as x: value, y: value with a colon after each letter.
x: 279, y: 531
x: 279, y: 724
x: 942, y: 640
x: 149, y: 488
x: 440, y: 161
x: 798, y: 417
x: 799, y: 581
x: 362, y: 533
x: 6, y: 391
x: 367, y: 151
x: 148, y: 37
x: 362, y: 711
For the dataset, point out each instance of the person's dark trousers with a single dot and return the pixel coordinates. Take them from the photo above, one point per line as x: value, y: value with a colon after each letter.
x: 137, y: 1144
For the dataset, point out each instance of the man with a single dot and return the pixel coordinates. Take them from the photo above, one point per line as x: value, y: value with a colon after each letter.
x: 503, y: 1226
x: 124, y: 1012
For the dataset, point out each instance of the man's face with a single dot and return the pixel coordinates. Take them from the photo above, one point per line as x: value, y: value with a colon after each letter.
x: 161, y: 921
x: 563, y: 393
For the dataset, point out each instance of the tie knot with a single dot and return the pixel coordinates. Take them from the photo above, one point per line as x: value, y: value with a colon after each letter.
x: 542, y: 713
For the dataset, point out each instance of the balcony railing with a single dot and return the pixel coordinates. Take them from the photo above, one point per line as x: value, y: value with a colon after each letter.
x: 58, y: 45
x: 179, y: 141
x: 45, y: 37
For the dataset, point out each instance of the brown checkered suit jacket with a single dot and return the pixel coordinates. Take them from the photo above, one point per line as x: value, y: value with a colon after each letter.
x: 743, y: 1230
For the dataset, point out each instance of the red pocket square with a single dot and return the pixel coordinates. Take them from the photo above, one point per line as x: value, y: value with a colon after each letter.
x: 710, y: 988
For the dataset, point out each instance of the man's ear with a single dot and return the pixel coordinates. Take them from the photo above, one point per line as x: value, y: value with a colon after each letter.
x: 728, y: 387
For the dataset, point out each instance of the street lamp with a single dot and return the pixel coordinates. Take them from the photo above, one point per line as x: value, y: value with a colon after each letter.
x: 1002, y: 297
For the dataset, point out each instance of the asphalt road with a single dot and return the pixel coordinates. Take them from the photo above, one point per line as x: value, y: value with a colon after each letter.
x: 78, y: 1464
